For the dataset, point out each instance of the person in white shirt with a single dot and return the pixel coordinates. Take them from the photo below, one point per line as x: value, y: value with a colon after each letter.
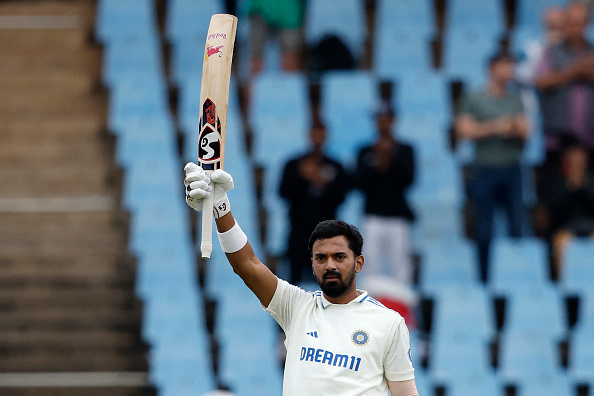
x: 339, y: 340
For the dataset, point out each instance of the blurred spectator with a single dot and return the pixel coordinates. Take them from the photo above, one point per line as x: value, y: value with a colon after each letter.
x: 314, y: 185
x: 565, y: 79
x: 385, y: 170
x: 494, y: 118
x: 554, y: 23
x: 283, y: 18
x: 569, y: 197
x: 394, y: 295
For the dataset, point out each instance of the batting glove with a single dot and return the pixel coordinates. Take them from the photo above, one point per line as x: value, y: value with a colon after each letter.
x: 197, y: 185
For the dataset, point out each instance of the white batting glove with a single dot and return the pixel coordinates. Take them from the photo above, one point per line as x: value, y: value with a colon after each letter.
x: 197, y: 187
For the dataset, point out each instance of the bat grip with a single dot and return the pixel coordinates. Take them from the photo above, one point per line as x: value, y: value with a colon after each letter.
x: 207, y: 209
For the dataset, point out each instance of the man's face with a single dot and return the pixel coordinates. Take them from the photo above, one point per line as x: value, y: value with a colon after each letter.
x: 503, y: 71
x: 577, y: 19
x: 335, y: 265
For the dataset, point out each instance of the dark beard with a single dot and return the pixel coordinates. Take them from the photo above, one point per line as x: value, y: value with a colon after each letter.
x: 339, y: 287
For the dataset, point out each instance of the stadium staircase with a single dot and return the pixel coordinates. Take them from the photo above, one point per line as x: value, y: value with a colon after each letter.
x: 69, y: 321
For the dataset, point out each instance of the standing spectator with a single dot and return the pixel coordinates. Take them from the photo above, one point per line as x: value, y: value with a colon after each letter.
x: 494, y: 118
x: 283, y: 18
x: 385, y: 170
x: 565, y: 79
x: 569, y: 197
x: 314, y: 185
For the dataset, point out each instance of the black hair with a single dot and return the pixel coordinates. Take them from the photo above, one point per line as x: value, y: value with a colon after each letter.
x: 500, y: 56
x: 333, y: 228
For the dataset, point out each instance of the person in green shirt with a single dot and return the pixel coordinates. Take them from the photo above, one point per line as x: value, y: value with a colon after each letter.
x: 283, y: 18
x: 494, y: 119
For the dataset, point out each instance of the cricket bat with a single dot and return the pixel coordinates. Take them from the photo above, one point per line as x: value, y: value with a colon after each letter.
x: 214, y: 99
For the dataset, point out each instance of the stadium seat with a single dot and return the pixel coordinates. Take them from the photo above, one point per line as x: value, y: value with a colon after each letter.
x: 446, y: 263
x: 527, y: 355
x: 581, y: 356
x: 438, y: 180
x: 131, y: 58
x: 577, y: 274
x: 484, y: 16
x: 474, y: 384
x: 424, y: 93
x: 344, y: 18
x: 463, y: 312
x: 352, y: 209
x: 535, y: 310
x: 348, y: 104
x: 187, y: 57
x: 464, y: 54
x: 518, y: 262
x: 415, y: 16
x: 423, y: 129
x: 190, y: 18
x: 397, y: 53
x: 118, y: 19
x: 136, y: 99
x: 459, y: 357
x: 149, y: 140
x: 547, y: 385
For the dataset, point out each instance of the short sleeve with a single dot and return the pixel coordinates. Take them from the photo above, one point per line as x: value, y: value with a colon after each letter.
x: 286, y: 300
x: 466, y: 106
x: 398, y: 362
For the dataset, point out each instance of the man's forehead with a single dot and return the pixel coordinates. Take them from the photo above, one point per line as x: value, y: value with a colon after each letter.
x: 331, y: 245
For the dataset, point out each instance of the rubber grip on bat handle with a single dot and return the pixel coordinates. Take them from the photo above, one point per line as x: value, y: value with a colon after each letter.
x: 206, y: 239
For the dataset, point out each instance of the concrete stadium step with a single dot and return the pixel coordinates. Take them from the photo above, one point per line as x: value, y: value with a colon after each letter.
x: 78, y: 360
x: 98, y: 339
x: 30, y: 298
x: 86, y: 391
x: 72, y: 319
x: 78, y: 125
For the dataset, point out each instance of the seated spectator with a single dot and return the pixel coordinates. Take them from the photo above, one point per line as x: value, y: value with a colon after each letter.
x: 565, y: 80
x: 494, y: 119
x: 569, y: 198
x: 385, y: 170
x: 314, y: 185
x: 283, y: 18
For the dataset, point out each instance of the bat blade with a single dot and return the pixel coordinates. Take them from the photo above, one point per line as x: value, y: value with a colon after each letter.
x: 214, y: 99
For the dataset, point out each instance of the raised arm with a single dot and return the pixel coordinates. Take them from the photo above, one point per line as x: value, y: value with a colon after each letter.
x: 257, y: 276
x: 403, y: 388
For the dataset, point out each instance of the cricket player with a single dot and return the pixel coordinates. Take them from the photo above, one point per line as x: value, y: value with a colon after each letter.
x: 339, y: 340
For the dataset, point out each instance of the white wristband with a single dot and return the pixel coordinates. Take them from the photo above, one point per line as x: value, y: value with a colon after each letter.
x: 232, y: 240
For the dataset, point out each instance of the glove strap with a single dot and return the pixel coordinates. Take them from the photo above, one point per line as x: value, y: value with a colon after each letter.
x: 221, y: 208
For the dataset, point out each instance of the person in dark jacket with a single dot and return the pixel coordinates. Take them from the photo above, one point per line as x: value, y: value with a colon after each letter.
x: 314, y: 185
x: 384, y: 172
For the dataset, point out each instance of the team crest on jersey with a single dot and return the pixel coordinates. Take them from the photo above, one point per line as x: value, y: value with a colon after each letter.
x: 360, y: 337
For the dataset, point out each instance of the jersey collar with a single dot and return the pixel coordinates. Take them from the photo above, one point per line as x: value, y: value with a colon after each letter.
x: 324, y: 303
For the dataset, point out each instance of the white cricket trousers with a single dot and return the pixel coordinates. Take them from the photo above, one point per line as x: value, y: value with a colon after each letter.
x: 386, y: 248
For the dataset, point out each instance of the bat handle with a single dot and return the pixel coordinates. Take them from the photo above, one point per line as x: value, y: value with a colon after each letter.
x: 206, y: 239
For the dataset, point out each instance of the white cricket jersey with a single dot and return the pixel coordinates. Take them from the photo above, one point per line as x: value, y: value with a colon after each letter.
x: 340, y: 349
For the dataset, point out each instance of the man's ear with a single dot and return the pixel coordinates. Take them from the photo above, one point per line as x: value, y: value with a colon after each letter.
x: 359, y: 262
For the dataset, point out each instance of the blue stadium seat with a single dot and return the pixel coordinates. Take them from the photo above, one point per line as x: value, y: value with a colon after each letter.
x: 424, y: 93
x: 352, y: 209
x: 478, y: 384
x: 344, y: 18
x: 135, y: 99
x: 423, y: 129
x: 437, y: 222
x: 518, y: 262
x: 465, y: 52
x: 190, y: 18
x: 484, y: 16
x: 348, y: 102
x: 577, y: 274
x: 131, y: 58
x: 526, y: 355
x: 547, y: 385
x: 581, y: 356
x: 397, y: 53
x: 187, y: 56
x: 438, y: 180
x: 153, y: 141
x: 462, y: 312
x: 459, y: 357
x: 415, y: 16
x: 535, y: 310
x: 118, y: 19
x: 447, y: 263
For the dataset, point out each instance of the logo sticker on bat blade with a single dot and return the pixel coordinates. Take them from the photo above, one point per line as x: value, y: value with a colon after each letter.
x: 209, y: 148
x: 211, y: 50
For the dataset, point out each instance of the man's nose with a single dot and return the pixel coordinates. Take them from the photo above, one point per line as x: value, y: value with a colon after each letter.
x: 331, y: 265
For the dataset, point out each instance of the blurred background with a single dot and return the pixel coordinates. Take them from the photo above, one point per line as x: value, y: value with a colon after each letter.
x: 102, y: 291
